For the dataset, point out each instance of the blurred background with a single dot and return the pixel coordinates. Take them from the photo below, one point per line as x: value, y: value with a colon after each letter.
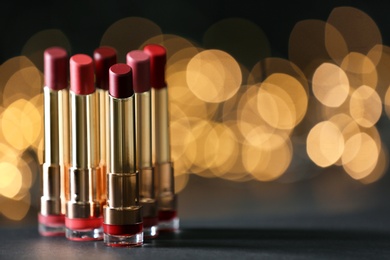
x: 279, y: 112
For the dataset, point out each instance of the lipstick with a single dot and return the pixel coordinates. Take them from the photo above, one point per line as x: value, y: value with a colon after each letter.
x: 139, y: 61
x: 51, y: 217
x: 123, y: 226
x: 104, y: 57
x: 83, y: 220
x: 163, y: 166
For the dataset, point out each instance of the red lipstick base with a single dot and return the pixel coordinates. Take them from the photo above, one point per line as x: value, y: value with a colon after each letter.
x: 51, y: 225
x: 150, y: 227
x: 168, y: 221
x: 84, y: 229
x: 123, y: 235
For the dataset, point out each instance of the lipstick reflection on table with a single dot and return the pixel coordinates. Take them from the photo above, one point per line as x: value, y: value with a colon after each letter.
x: 123, y: 226
x: 163, y: 166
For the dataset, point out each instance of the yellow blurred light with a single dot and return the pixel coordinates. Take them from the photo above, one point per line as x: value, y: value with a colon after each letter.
x: 179, y: 60
x: 36, y: 45
x: 380, y: 168
x: 347, y: 126
x: 265, y: 68
x: 325, y: 144
x: 365, y: 106
x: 330, y: 85
x: 308, y: 52
x: 21, y: 124
x: 172, y: 43
x: 181, y: 137
x: 387, y: 102
x: 361, y: 156
x: 335, y: 43
x: 196, y: 151
x: 125, y: 35
x: 10, y: 180
x: 180, y: 182
x: 213, y: 76
x: 289, y: 90
x: 225, y: 151
x: 267, y: 162
x: 382, y: 68
x: 16, y: 209
x: 24, y: 83
x: 8, y: 69
x: 360, y: 70
x: 276, y: 107
x: 358, y: 29
x: 243, y: 39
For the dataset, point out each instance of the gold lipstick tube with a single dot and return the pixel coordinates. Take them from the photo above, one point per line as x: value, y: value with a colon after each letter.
x: 102, y: 97
x: 83, y: 213
x: 123, y: 224
x: 56, y: 162
x: 164, y: 171
x: 145, y: 163
x: 51, y: 217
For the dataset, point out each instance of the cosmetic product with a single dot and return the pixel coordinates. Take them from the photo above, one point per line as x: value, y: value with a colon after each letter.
x: 139, y: 61
x: 51, y: 217
x: 163, y: 166
x: 83, y: 218
x: 123, y: 225
x: 104, y: 57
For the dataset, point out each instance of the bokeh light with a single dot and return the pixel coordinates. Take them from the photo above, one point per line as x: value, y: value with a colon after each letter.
x: 241, y: 38
x: 365, y: 106
x: 330, y: 85
x: 36, y: 45
x: 213, y: 76
x: 125, y: 35
x: 325, y: 144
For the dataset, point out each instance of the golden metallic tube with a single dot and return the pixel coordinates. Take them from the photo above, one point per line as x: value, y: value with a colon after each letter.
x: 161, y: 119
x: 144, y: 152
x: 84, y: 174
x: 122, y: 177
x: 56, y: 159
x: 102, y: 96
x: 163, y: 166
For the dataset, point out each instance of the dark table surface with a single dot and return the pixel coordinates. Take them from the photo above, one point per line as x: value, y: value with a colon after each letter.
x: 236, y: 224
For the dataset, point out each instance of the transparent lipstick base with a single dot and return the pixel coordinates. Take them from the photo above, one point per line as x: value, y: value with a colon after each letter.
x: 84, y: 234
x: 124, y: 240
x: 49, y: 231
x: 51, y: 225
x: 169, y: 225
x: 150, y: 232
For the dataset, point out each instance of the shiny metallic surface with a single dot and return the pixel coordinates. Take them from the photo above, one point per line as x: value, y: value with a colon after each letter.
x: 84, y: 131
x: 147, y: 192
x: 161, y: 127
x: 85, y: 178
x: 84, y: 193
x: 56, y: 155
x: 122, y: 206
x: 166, y: 197
x: 102, y: 100
x: 143, y: 129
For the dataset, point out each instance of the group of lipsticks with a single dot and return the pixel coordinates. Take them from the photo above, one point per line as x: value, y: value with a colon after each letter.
x: 107, y: 172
